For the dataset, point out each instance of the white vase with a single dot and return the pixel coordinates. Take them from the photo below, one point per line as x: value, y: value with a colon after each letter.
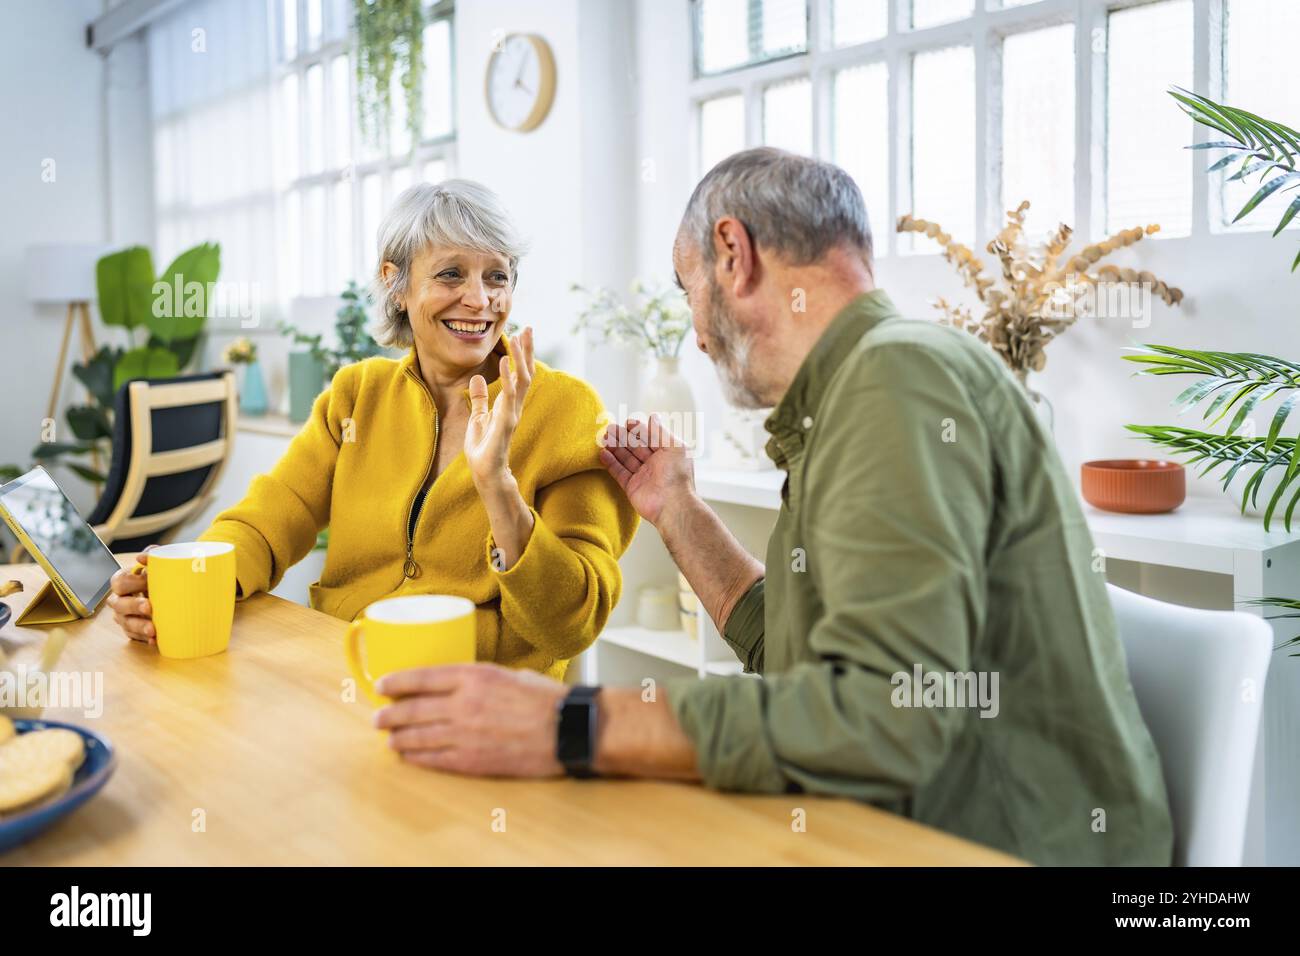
x: 1042, y: 406
x: 669, y: 396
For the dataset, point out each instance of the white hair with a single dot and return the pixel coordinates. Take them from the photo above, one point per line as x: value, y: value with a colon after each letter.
x: 798, y: 206
x: 455, y: 212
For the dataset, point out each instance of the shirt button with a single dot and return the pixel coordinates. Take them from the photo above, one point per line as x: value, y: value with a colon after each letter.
x: 807, y: 422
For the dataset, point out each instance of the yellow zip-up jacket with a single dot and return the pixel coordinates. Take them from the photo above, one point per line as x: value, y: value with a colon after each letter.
x: 356, y: 467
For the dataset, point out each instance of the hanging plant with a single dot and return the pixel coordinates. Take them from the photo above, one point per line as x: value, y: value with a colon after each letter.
x: 390, y: 39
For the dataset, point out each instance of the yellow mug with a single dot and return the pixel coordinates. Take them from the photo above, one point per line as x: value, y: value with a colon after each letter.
x: 417, y: 630
x: 192, y: 590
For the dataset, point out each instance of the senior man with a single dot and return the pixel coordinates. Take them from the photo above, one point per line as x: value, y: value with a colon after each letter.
x: 928, y: 542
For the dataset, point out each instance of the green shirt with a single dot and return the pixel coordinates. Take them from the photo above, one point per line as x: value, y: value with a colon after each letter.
x: 929, y: 546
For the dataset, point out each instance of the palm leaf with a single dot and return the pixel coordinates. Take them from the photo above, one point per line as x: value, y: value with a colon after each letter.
x: 1266, y: 143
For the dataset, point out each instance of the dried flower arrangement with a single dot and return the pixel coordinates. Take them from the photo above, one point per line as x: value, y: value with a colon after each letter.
x: 1042, y: 288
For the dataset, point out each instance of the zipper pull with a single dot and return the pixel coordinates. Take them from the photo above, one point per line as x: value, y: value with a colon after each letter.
x: 410, y: 569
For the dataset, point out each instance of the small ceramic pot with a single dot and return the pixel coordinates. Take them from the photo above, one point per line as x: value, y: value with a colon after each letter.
x: 1134, y: 485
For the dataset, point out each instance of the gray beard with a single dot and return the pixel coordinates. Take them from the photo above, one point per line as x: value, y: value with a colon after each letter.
x: 730, y: 354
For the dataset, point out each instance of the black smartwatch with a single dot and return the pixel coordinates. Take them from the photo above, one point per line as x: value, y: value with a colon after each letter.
x: 575, y: 735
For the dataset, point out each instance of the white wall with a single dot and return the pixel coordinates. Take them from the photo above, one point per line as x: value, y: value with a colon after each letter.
x: 567, y: 183
x: 51, y: 97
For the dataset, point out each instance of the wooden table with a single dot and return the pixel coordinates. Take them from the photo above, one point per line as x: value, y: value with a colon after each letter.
x: 260, y: 746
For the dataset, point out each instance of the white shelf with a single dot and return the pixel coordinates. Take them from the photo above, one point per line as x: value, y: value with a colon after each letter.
x: 724, y: 668
x: 1203, y: 534
x: 674, y: 646
x: 753, y: 489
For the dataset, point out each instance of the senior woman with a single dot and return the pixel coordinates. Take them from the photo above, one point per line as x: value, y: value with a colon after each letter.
x: 464, y: 468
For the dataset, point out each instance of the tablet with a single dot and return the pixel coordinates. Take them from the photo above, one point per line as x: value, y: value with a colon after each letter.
x: 49, y: 526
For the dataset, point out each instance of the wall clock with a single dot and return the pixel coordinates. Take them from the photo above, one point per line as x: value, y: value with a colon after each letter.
x: 521, y: 82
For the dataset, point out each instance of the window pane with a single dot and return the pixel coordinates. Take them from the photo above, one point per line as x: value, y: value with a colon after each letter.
x: 1148, y: 168
x: 787, y: 116
x: 291, y: 276
x: 340, y: 111
x: 857, y: 21
x: 435, y: 171
x: 1038, y: 126
x: 289, y: 28
x: 399, y: 136
x: 437, y: 79
x: 399, y: 183
x: 928, y: 13
x: 723, y: 34
x: 342, y: 233
x: 288, y: 142
x: 732, y: 33
x: 372, y: 208
x: 314, y: 251
x: 722, y: 129
x: 314, y: 23
x: 785, y: 27
x: 314, y: 120
x: 861, y: 134
x: 943, y: 140
x: 339, y: 18
x: 1259, y: 68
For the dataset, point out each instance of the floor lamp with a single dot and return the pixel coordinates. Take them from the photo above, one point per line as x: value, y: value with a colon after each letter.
x: 64, y: 274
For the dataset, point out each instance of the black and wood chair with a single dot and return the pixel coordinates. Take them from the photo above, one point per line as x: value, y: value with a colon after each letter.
x: 172, y: 438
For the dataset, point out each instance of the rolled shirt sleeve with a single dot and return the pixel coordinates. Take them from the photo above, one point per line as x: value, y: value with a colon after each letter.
x: 893, y: 514
x: 744, y: 628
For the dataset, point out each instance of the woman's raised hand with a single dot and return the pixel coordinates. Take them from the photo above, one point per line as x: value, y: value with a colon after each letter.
x: 487, y: 437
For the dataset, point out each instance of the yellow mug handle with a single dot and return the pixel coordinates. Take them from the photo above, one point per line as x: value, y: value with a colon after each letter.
x: 352, y: 647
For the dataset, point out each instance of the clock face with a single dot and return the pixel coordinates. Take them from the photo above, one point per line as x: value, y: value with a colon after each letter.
x: 521, y: 82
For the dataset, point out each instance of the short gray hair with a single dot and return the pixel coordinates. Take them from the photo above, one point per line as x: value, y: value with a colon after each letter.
x: 455, y: 212
x: 798, y: 206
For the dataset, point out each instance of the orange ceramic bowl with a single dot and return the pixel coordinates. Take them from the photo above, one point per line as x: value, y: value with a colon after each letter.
x: 1134, y: 485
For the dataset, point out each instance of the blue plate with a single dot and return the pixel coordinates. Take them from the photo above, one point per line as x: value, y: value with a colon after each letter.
x: 90, y: 778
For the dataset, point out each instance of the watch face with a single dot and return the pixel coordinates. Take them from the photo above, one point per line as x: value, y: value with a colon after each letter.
x: 514, y: 81
x: 576, y: 730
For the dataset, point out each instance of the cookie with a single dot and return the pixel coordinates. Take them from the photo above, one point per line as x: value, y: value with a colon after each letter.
x: 7, y: 731
x: 19, y: 788
x: 56, y: 745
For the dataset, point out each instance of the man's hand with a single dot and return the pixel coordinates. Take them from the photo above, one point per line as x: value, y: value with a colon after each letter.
x: 478, y: 719
x: 650, y: 464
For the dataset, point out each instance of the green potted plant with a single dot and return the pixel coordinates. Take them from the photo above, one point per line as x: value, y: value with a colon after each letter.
x: 312, y: 369
x: 1236, y: 383
x: 656, y: 324
x: 163, y: 318
x: 390, y: 41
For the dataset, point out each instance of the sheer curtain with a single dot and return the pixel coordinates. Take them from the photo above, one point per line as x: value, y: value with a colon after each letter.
x: 211, y: 69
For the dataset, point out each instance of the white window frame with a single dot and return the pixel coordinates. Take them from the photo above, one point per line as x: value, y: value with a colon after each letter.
x: 983, y: 32
x: 426, y: 150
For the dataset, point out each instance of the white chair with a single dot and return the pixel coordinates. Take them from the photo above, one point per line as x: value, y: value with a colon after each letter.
x: 1199, y: 681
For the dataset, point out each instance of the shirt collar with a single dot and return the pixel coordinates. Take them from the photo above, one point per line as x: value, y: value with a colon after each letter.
x: 798, y: 407
x: 411, y: 366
